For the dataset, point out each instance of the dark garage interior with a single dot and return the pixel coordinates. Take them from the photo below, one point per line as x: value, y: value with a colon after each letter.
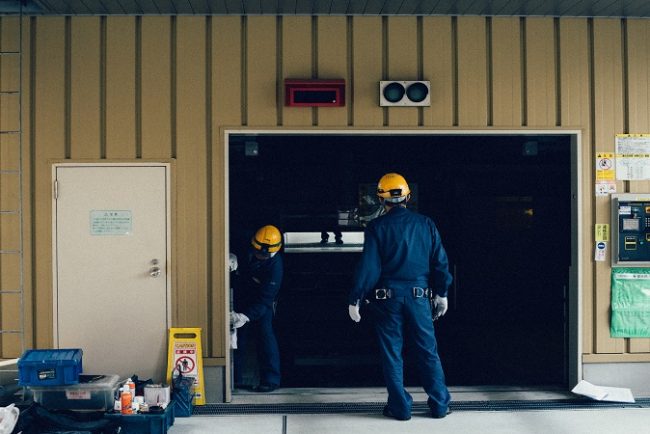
x: 502, y: 205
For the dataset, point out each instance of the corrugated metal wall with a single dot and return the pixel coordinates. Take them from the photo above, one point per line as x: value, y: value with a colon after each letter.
x: 165, y: 87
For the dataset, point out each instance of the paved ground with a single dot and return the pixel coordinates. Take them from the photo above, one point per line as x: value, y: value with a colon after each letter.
x: 557, y: 421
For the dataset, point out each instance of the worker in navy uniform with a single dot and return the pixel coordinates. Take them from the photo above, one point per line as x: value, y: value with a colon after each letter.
x: 403, y: 276
x: 256, y: 300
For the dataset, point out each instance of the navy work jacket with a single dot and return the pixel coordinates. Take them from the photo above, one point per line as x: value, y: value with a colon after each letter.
x: 262, y: 284
x: 401, y: 250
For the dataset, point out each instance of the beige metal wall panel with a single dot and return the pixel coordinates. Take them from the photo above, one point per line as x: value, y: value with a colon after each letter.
x: 402, y: 55
x: 226, y: 111
x: 190, y: 304
x: 367, y: 67
x: 9, y: 112
x: 9, y: 232
x: 540, y: 73
x: 156, y: 88
x: 9, y: 272
x: 9, y: 191
x: 120, y: 87
x: 262, y: 83
x: 169, y: 86
x: 10, y: 302
x: 608, y: 112
x: 227, y: 72
x: 9, y: 72
x: 472, y: 71
x: 332, y: 63
x: 9, y: 34
x: 84, y: 87
x: 506, y: 72
x: 638, y: 69
x: 9, y: 152
x: 49, y: 142
x: 437, y: 67
x: 28, y: 26
x: 575, y: 112
x: 297, y: 52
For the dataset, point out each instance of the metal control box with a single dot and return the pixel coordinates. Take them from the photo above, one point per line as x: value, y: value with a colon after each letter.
x: 631, y: 229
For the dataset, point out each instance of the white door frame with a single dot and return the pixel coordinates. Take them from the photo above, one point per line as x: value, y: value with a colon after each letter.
x: 575, y: 273
x: 169, y: 269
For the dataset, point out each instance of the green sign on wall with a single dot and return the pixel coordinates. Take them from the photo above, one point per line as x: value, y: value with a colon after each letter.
x: 630, y: 303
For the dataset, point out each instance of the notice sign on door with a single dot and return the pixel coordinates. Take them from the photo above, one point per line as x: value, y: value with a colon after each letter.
x: 110, y: 222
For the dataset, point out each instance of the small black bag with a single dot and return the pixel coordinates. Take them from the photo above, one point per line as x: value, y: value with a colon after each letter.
x: 182, y: 395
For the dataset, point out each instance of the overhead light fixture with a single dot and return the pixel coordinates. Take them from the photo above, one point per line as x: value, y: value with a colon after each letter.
x: 405, y: 93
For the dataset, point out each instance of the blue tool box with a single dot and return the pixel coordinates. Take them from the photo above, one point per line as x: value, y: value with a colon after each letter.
x: 144, y: 423
x: 50, y: 367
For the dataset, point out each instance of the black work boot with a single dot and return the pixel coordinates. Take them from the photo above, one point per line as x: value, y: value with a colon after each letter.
x: 388, y: 413
x: 440, y: 416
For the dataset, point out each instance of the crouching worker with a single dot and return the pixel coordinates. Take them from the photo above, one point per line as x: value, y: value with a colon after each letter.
x: 255, y: 301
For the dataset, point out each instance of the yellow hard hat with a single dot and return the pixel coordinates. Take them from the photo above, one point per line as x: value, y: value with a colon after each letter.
x: 392, y: 187
x: 267, y: 239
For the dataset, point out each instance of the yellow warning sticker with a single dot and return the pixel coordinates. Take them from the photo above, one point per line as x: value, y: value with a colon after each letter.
x: 602, y: 232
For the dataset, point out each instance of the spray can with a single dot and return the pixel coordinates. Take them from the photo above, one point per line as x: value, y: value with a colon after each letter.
x: 126, y: 400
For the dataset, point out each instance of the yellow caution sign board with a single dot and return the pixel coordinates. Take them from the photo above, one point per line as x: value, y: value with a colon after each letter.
x: 185, y: 357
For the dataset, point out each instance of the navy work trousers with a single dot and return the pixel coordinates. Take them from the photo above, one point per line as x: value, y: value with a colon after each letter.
x: 393, y: 318
x: 268, y: 352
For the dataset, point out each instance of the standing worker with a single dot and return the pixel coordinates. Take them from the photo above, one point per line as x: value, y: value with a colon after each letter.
x: 257, y: 299
x: 404, y: 275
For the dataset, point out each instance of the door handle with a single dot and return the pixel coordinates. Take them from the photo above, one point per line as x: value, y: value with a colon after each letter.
x: 154, y: 271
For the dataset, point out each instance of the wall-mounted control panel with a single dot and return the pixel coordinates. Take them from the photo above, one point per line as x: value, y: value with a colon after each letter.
x: 630, y: 229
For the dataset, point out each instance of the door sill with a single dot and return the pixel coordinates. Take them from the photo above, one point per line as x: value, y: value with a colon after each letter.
x: 378, y: 394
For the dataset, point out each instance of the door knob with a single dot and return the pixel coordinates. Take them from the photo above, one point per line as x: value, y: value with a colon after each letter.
x: 154, y: 271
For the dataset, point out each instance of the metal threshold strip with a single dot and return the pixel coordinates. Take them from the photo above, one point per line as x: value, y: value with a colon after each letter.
x: 376, y: 407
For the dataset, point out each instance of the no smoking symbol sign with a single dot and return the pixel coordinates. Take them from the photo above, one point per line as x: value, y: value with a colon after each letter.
x: 605, y: 164
x: 184, y: 365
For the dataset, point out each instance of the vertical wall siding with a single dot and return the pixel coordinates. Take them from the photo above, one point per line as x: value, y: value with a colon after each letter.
x: 638, y: 94
x: 608, y: 120
x: 10, y: 279
x: 167, y: 87
x: 576, y: 108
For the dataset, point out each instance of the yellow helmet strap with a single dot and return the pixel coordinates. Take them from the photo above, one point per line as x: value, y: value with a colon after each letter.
x: 263, y: 247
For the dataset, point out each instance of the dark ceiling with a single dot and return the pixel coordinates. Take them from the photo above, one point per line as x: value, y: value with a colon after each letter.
x: 556, y: 8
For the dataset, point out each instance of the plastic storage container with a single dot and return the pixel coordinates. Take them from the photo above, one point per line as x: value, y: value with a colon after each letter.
x: 145, y: 423
x: 93, y: 392
x: 50, y: 367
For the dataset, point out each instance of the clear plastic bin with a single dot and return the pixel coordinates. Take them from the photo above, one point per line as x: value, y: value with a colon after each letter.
x: 93, y: 392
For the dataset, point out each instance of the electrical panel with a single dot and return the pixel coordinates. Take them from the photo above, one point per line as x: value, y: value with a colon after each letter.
x: 630, y: 229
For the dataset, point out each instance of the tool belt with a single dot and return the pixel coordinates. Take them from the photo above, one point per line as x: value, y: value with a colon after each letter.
x: 416, y: 291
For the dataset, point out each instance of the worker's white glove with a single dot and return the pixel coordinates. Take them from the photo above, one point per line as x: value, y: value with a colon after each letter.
x: 238, y: 319
x: 232, y: 262
x: 353, y: 310
x: 440, y: 306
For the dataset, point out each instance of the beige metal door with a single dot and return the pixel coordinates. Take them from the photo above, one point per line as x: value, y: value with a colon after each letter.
x: 111, y: 250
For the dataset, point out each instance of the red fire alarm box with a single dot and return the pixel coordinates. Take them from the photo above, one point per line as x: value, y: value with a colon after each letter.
x: 314, y: 93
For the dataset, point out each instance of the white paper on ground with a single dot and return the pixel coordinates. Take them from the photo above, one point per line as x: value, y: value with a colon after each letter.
x: 603, y: 393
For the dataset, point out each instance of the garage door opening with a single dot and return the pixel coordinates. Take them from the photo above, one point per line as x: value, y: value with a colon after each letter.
x: 504, y: 205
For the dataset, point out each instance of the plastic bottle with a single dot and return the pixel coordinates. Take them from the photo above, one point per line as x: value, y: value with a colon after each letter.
x: 126, y: 400
x: 131, y: 389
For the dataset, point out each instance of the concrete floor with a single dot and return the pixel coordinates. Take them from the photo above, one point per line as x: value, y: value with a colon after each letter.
x: 587, y: 421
